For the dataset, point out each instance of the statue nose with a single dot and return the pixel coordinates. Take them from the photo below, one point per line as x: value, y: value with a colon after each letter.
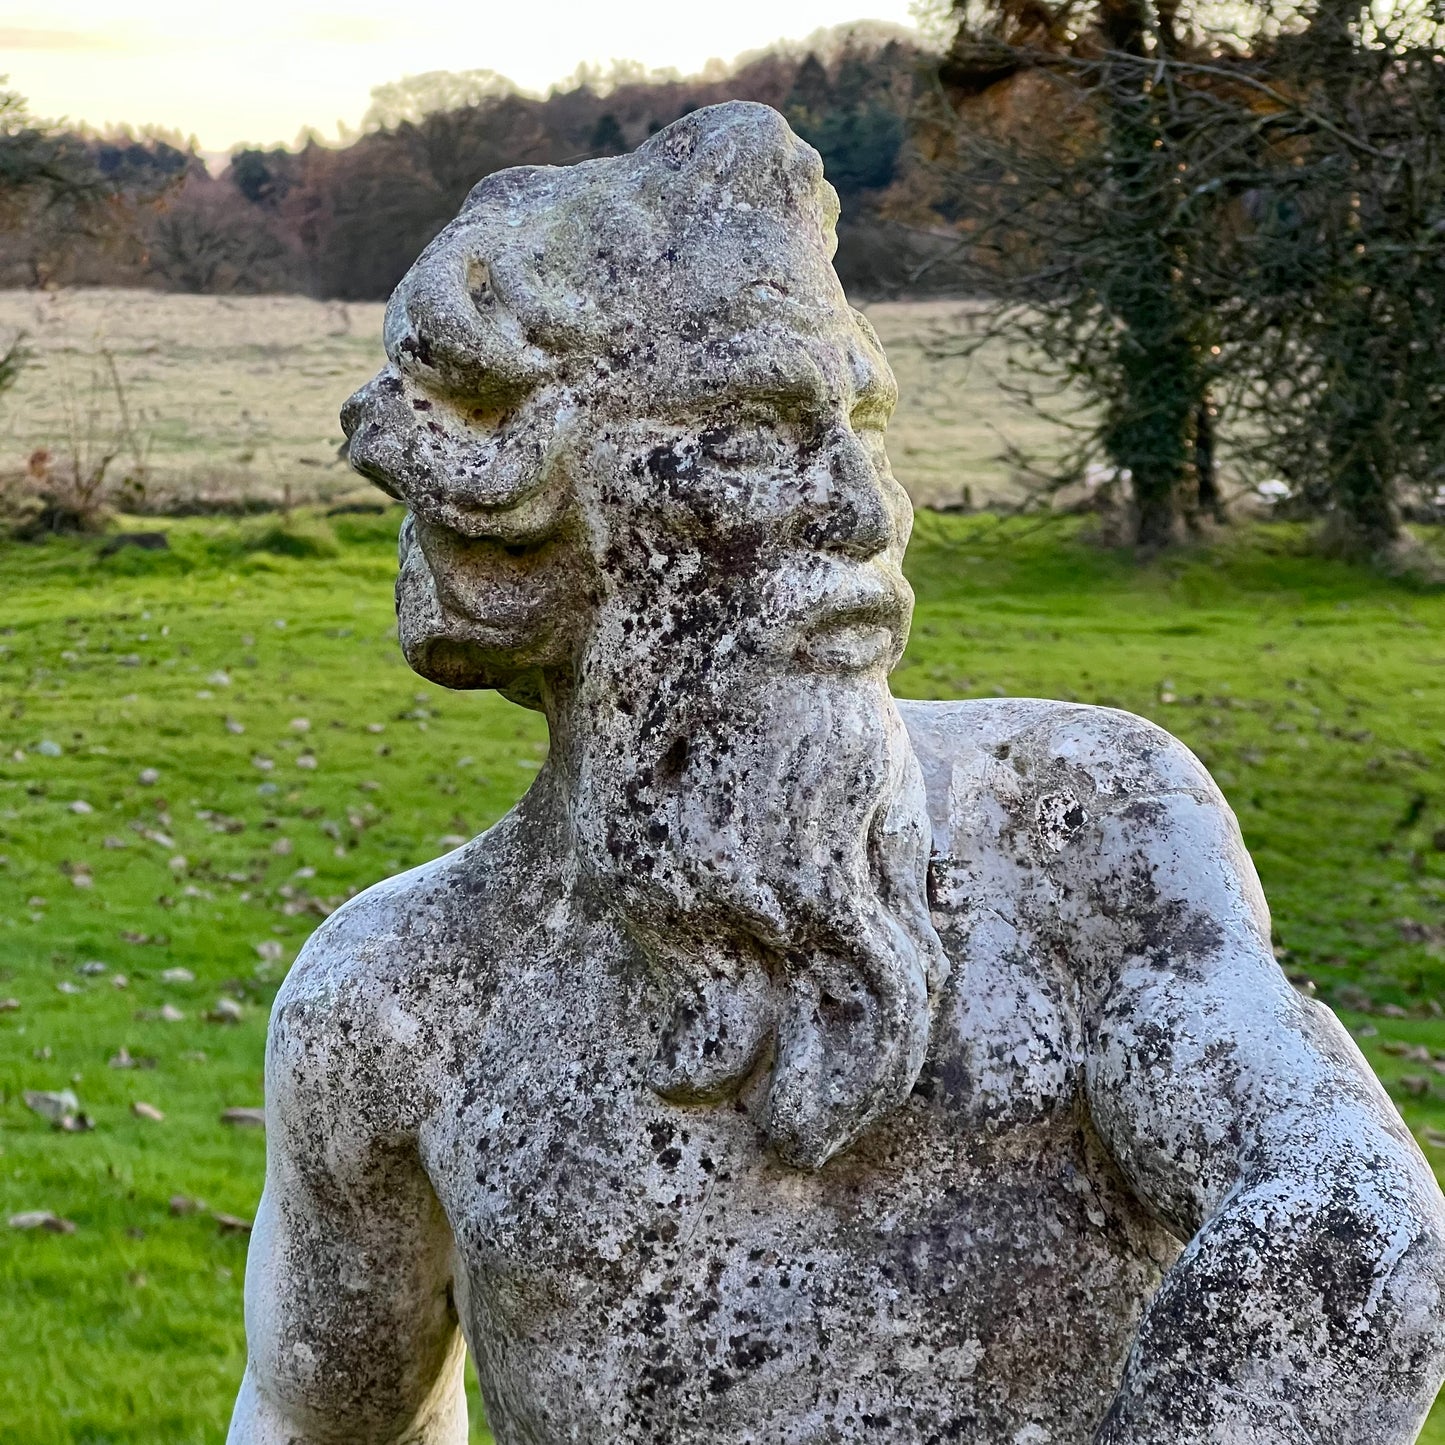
x: 854, y: 517
x: 351, y: 412
x: 366, y: 416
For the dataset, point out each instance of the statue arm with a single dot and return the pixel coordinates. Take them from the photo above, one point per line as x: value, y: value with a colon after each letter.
x: 350, y: 1327
x: 1308, y: 1304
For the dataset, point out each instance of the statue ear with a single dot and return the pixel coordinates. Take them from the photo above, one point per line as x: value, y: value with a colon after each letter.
x: 480, y: 614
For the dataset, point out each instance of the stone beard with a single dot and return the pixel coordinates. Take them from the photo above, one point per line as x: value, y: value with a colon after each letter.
x: 777, y: 877
x: 790, y: 1066
x: 745, y: 790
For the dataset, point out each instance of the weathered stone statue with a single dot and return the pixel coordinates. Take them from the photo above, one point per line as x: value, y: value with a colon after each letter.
x: 790, y: 1065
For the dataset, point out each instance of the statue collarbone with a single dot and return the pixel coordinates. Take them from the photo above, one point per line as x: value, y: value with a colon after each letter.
x: 791, y: 1064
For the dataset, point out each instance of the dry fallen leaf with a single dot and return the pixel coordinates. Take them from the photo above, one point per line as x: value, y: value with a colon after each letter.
x: 9, y: 1005
x: 171, y: 1014
x: 226, y: 1011
x: 142, y: 1110
x: 177, y: 975
x: 42, y: 1219
x: 51, y: 1105
x: 1417, y: 1054
x: 124, y: 1059
x: 232, y: 1224
x: 184, y: 1204
x: 244, y: 1118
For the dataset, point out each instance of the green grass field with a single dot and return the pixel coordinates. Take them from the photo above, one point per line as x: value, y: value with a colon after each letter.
x: 253, y: 667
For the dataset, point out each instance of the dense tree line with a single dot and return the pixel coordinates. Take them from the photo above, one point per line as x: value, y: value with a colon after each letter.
x: 346, y: 221
x: 68, y: 198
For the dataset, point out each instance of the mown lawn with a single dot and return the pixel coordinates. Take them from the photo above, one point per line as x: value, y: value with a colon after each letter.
x: 253, y: 668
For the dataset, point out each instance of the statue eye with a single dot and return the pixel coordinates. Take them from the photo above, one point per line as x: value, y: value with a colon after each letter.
x: 743, y: 445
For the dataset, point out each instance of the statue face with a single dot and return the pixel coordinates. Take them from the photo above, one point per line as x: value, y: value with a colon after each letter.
x: 766, y: 523
x: 768, y: 500
x: 768, y: 507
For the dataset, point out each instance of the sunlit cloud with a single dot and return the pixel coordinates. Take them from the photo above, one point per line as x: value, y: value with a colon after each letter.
x: 25, y: 37
x: 339, y: 29
x: 262, y: 72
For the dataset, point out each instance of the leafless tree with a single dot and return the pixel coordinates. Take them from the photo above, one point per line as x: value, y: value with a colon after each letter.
x: 1171, y: 223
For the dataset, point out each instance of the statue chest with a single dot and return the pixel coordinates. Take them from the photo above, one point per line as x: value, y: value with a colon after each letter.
x: 630, y: 1269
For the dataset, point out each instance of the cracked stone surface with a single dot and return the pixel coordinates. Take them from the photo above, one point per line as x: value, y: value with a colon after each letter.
x: 791, y: 1064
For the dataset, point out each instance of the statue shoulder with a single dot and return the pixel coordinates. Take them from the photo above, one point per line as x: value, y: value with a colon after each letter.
x: 1031, y: 751
x: 1083, y: 825
x: 1023, y: 794
x: 375, y: 990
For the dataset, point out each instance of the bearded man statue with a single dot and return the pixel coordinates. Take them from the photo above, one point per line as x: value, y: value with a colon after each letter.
x: 790, y: 1065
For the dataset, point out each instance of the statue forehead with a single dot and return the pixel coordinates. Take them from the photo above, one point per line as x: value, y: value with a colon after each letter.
x: 699, y: 264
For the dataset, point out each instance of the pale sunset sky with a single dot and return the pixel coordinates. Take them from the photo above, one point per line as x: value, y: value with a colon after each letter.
x: 260, y: 71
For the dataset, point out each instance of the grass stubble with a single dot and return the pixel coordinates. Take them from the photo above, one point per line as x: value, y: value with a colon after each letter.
x: 204, y: 750
x: 234, y: 399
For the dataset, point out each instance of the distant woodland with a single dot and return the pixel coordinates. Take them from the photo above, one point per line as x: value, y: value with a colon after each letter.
x: 345, y: 221
x: 1210, y: 239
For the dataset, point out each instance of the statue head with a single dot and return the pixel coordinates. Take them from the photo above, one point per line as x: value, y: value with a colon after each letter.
x: 639, y: 431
